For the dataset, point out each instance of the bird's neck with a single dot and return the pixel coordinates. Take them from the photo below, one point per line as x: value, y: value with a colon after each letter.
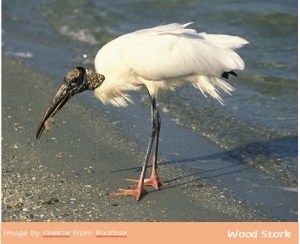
x: 94, y: 79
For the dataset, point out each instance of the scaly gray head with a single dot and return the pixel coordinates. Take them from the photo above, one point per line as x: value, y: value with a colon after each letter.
x: 76, y: 81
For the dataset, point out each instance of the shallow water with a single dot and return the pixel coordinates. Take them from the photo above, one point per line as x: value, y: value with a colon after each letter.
x: 258, y: 126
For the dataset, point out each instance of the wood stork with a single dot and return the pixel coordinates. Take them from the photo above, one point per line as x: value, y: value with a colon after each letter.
x: 160, y: 58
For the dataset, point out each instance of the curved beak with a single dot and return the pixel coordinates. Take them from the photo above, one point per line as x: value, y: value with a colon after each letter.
x: 61, y: 97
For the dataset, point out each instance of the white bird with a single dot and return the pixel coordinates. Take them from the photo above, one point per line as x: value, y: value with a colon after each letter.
x: 160, y: 58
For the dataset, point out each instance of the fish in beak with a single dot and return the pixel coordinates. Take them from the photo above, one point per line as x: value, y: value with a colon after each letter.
x: 76, y: 81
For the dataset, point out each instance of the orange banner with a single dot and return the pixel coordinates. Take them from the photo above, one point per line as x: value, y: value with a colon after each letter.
x: 149, y: 233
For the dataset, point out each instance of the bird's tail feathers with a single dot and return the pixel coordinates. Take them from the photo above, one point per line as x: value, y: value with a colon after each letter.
x: 210, y: 85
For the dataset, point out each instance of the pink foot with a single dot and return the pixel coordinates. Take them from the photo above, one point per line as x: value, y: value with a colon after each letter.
x: 154, y: 181
x: 137, y: 193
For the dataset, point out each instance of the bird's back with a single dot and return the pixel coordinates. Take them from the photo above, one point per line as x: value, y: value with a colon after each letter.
x: 165, y: 57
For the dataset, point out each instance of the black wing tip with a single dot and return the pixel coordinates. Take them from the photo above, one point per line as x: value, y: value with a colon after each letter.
x: 226, y: 74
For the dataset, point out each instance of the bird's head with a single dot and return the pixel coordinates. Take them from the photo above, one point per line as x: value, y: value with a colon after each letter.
x: 76, y: 81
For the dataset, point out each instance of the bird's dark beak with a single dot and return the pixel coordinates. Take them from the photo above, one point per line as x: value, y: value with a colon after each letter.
x: 61, y: 97
x: 76, y: 81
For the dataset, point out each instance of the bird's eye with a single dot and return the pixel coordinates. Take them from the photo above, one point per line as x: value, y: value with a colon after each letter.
x: 74, y: 81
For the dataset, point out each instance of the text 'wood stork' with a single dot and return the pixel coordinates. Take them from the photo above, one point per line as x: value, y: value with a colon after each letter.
x: 160, y: 58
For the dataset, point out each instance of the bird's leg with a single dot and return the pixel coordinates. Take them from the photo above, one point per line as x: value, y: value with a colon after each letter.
x: 154, y: 179
x: 156, y: 122
x: 139, y: 190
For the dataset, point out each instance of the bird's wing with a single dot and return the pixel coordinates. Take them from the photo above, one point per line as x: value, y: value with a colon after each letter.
x: 171, y: 51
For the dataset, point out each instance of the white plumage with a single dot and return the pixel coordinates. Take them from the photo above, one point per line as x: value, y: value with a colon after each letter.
x: 166, y: 57
x: 159, y: 58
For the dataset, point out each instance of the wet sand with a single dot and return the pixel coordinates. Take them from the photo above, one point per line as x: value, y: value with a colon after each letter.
x: 67, y: 175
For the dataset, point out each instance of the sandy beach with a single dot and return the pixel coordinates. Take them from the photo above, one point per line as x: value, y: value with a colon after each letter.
x: 67, y: 175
